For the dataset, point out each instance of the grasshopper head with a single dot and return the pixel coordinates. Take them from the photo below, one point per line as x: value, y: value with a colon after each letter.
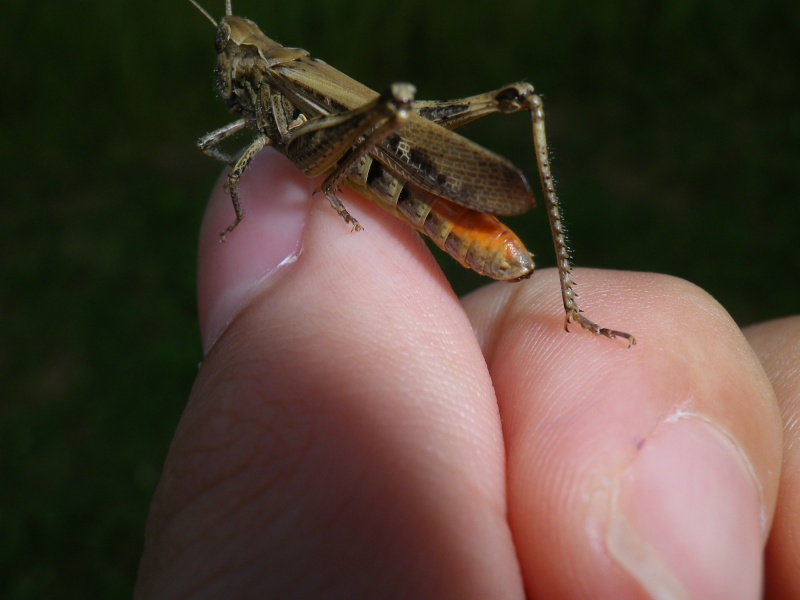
x: 240, y: 38
x: 240, y: 45
x: 240, y: 32
x: 244, y: 56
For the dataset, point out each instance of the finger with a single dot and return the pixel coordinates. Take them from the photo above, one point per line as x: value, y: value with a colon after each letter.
x: 644, y: 470
x: 268, y: 239
x: 777, y: 344
x: 342, y: 438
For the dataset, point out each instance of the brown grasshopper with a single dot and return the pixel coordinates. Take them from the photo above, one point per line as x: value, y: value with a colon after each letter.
x: 398, y: 152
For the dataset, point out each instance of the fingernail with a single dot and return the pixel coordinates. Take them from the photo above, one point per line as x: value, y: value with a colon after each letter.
x: 686, y: 521
x: 276, y: 201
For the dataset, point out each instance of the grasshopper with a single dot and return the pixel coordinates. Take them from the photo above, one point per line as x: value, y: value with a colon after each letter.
x: 398, y: 152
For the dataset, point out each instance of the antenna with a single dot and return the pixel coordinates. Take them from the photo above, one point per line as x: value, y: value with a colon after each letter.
x: 205, y: 12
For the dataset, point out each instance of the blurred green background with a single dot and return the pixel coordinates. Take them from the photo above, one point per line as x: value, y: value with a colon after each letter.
x: 675, y: 131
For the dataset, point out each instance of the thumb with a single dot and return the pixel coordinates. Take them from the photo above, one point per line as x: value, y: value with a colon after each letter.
x: 342, y: 438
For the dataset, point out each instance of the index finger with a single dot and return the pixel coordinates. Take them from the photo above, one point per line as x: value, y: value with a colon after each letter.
x: 653, y: 468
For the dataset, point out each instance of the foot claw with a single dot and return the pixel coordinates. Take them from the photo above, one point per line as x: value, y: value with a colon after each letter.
x: 224, y: 233
x: 611, y: 334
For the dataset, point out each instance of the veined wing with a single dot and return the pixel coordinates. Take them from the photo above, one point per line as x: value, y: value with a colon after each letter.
x: 455, y: 168
x: 434, y: 158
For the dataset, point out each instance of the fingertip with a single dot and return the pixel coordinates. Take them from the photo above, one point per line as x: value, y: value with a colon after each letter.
x: 276, y: 199
x: 579, y: 410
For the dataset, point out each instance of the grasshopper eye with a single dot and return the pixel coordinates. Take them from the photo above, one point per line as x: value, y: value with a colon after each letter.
x: 223, y: 36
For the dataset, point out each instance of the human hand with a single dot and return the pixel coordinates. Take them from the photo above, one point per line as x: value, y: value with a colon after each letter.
x: 357, y: 431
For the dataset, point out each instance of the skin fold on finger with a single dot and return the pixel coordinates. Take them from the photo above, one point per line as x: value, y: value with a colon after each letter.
x: 777, y: 344
x: 608, y: 495
x: 342, y: 439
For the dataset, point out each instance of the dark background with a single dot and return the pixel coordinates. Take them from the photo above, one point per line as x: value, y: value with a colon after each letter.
x: 674, y: 127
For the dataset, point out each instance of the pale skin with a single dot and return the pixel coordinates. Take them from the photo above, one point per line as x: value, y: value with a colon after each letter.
x: 357, y: 431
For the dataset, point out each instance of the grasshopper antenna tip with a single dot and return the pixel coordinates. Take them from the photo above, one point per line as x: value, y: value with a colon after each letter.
x: 205, y: 12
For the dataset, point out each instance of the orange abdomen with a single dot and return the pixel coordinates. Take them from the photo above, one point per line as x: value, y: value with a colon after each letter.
x: 476, y: 240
